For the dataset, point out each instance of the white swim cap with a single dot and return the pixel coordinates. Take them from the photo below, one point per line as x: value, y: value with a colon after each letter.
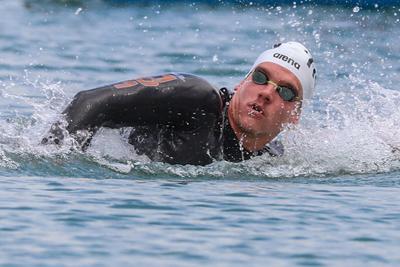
x: 296, y: 58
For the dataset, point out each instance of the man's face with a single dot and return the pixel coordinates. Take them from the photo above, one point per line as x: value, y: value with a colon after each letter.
x: 257, y: 110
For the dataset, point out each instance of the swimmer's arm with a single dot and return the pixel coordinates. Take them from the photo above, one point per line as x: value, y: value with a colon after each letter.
x: 176, y: 100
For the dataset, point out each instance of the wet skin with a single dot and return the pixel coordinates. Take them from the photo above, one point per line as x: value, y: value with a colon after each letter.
x: 257, y: 113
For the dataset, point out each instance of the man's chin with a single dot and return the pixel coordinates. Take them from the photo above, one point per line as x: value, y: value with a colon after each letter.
x: 251, y: 130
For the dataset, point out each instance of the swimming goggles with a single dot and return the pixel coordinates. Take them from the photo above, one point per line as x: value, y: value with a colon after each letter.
x: 286, y: 93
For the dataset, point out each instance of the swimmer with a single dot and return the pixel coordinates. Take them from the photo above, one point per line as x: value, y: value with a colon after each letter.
x: 180, y: 118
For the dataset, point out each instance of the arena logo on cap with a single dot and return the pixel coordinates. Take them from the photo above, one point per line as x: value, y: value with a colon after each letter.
x: 287, y: 59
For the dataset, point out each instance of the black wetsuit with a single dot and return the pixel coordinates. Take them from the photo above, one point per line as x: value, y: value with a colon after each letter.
x: 176, y: 118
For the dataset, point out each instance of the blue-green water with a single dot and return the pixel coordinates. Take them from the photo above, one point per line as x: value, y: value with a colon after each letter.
x: 332, y: 200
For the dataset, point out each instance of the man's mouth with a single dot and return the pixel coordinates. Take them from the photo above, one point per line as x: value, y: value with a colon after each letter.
x: 255, y: 110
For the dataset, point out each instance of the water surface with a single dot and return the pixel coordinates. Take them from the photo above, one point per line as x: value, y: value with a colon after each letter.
x: 332, y: 200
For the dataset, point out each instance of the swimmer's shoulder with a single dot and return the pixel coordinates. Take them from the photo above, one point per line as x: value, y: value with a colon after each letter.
x: 193, y: 82
x: 199, y: 90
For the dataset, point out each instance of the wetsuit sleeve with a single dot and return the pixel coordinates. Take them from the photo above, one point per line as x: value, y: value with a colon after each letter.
x: 176, y: 100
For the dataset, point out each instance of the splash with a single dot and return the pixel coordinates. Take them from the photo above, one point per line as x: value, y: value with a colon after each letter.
x: 346, y: 133
x: 23, y: 126
x: 352, y: 132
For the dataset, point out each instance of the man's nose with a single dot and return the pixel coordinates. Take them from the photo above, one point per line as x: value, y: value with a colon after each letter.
x: 267, y: 93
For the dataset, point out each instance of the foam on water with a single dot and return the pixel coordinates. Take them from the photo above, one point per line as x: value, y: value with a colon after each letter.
x: 353, y: 131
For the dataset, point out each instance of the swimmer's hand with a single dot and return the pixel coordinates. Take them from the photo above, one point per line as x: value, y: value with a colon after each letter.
x: 58, y: 134
x: 55, y: 136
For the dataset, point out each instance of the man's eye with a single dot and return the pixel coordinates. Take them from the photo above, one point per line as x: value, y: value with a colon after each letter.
x: 286, y: 93
x: 259, y: 77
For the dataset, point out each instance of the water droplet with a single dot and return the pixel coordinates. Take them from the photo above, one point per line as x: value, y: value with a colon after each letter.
x: 215, y: 58
x: 356, y: 9
x: 79, y: 10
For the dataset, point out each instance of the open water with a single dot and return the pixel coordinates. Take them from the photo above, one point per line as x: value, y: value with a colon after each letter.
x: 332, y: 200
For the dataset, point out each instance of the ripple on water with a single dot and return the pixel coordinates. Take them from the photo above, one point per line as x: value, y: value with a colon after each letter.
x: 332, y: 200
x: 138, y: 204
